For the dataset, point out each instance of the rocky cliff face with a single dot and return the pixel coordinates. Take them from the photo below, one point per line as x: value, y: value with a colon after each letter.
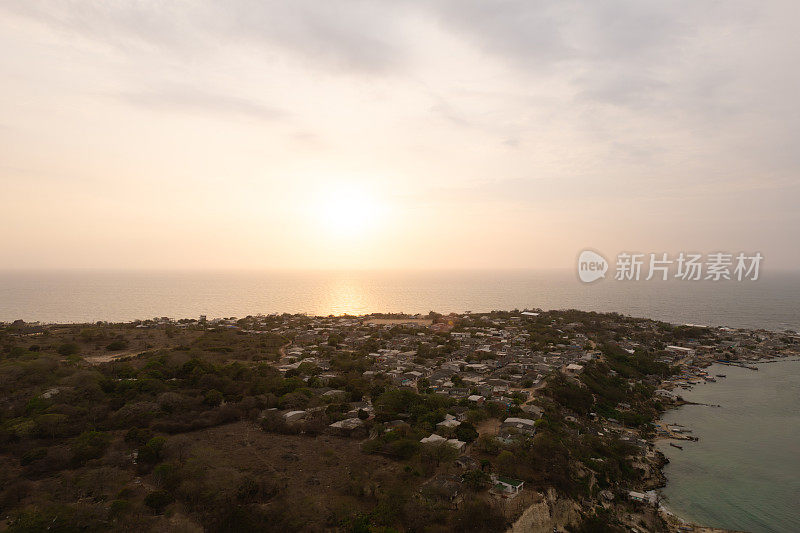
x: 543, y: 516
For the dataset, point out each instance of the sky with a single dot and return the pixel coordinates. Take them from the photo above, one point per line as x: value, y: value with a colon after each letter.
x: 395, y: 134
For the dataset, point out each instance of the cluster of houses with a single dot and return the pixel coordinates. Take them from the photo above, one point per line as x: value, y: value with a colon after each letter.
x: 477, y: 359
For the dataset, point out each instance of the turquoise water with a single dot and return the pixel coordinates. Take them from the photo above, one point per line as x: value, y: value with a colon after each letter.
x: 744, y: 473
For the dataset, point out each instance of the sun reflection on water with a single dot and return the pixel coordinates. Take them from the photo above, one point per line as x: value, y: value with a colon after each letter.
x: 346, y: 298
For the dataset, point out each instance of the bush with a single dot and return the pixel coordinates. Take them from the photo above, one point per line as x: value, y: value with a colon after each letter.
x: 466, y: 432
x: 138, y: 436
x: 68, y: 348
x: 119, y: 344
x: 90, y: 445
x: 158, y: 500
x: 213, y: 398
x: 150, y: 453
x: 33, y: 455
x: 119, y: 507
x: 479, y: 515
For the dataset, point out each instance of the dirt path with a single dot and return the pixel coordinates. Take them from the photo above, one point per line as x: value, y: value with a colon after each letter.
x: 282, y: 349
x: 109, y: 357
x: 490, y: 426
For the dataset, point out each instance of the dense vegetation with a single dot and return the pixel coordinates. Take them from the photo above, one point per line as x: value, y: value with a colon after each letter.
x: 183, y: 430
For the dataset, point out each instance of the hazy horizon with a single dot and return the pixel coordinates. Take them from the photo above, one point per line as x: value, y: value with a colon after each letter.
x: 423, y: 135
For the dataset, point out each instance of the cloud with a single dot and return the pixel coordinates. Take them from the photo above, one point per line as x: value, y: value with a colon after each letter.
x: 345, y: 35
x: 193, y: 100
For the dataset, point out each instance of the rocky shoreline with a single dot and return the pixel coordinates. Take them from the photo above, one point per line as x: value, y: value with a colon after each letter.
x: 660, y: 480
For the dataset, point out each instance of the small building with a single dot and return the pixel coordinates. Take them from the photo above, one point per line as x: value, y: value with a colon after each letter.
x: 531, y: 409
x: 572, y: 368
x: 459, y: 445
x: 522, y: 425
x: 681, y: 350
x: 438, y: 439
x: 645, y: 497
x: 448, y: 423
x: 507, y: 487
x: 433, y: 439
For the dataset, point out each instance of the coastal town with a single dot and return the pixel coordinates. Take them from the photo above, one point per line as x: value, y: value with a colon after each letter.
x: 524, y: 420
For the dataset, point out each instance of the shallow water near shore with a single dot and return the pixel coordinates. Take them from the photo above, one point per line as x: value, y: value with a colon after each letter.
x: 744, y: 472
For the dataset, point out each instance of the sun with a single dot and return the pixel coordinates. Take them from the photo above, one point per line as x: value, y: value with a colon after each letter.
x: 349, y: 212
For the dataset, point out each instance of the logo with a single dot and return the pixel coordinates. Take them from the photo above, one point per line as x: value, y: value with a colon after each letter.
x: 591, y: 266
x: 687, y: 266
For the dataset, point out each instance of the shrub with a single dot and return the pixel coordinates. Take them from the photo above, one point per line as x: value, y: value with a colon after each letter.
x: 138, y: 436
x: 90, y: 445
x: 150, y: 453
x: 33, y: 455
x: 158, y: 500
x: 479, y: 515
x: 119, y: 507
x: 119, y: 344
x: 213, y: 398
x: 68, y: 348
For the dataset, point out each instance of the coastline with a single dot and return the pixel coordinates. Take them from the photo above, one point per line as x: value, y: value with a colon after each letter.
x: 673, y: 519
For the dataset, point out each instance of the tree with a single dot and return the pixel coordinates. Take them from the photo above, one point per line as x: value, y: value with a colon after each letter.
x: 68, y: 348
x: 118, y: 344
x: 90, y: 445
x: 51, y: 424
x: 152, y: 451
x: 466, y: 432
x: 158, y: 500
x: 478, y: 515
x: 437, y: 453
x: 213, y: 398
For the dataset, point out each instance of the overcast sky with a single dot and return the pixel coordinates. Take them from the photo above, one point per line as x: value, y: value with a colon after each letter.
x: 450, y: 134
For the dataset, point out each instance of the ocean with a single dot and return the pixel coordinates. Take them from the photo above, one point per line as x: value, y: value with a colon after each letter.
x: 772, y: 302
x: 744, y: 472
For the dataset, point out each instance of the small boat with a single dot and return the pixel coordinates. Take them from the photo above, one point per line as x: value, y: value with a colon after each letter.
x: 721, y: 375
x: 675, y: 446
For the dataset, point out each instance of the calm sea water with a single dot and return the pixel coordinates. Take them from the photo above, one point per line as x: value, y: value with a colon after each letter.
x: 772, y: 302
x: 744, y: 472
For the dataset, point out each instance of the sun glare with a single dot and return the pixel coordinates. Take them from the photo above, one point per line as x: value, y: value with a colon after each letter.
x: 349, y: 212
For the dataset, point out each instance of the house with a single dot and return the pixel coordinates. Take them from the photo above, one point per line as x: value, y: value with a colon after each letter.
x: 459, y: 445
x: 645, y: 497
x: 438, y: 439
x: 506, y: 487
x: 681, y: 350
x: 433, y: 439
x: 522, y: 425
x: 532, y: 410
x: 572, y: 368
x: 478, y: 399
x: 448, y: 423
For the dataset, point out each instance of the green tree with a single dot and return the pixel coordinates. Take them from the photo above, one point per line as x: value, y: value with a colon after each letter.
x: 90, y: 445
